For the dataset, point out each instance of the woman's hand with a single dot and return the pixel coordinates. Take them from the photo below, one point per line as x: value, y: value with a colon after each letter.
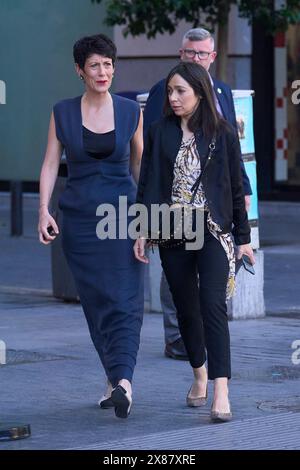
x: 46, y: 221
x: 245, y: 250
x: 247, y: 202
x: 139, y: 250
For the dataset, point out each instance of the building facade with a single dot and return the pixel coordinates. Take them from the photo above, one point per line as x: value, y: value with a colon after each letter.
x: 37, y: 69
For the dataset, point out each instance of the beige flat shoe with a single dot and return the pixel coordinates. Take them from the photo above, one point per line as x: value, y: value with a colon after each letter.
x: 196, y: 402
x: 219, y: 417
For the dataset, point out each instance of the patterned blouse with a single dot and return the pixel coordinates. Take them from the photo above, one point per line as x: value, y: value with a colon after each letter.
x: 187, y: 169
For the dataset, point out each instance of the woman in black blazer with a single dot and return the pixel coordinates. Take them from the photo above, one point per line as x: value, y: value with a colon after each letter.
x: 201, y: 280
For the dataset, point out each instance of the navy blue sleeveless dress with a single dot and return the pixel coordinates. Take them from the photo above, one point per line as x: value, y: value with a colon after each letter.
x: 109, y: 280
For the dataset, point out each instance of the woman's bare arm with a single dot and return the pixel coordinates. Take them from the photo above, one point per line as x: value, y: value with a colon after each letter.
x: 47, y: 181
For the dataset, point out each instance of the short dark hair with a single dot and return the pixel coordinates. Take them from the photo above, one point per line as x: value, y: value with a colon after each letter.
x: 96, y: 44
x: 206, y: 116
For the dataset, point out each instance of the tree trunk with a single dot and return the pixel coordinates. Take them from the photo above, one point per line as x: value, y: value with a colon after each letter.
x: 222, y: 49
x: 223, y: 29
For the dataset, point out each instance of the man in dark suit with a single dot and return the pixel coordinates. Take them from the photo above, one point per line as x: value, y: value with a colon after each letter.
x: 198, y: 47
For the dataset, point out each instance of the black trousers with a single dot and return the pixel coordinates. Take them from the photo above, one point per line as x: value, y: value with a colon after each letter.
x: 201, y: 305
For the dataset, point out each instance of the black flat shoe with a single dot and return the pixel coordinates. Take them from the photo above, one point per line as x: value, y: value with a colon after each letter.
x: 121, y: 402
x: 105, y: 402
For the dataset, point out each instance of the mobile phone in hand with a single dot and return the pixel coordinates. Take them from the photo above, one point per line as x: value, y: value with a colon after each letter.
x: 247, y: 264
x: 51, y: 231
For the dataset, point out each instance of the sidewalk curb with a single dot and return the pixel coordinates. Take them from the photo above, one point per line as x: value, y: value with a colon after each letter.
x: 25, y: 290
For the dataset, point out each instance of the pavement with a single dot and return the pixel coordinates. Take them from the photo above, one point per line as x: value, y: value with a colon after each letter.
x: 52, y: 378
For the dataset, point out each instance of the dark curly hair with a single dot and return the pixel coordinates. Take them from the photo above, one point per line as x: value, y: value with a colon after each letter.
x: 96, y: 44
x: 206, y: 115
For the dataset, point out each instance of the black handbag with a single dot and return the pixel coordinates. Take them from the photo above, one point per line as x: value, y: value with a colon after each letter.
x: 181, y: 216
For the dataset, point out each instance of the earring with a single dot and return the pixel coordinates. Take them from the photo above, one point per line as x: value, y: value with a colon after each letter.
x: 81, y: 77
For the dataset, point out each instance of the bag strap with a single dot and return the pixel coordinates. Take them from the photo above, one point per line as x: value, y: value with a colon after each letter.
x: 196, y: 185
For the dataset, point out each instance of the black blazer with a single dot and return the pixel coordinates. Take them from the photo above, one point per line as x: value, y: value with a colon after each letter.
x: 222, y: 179
x: 154, y: 111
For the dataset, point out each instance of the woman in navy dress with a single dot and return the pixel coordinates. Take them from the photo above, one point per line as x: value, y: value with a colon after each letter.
x: 101, y: 134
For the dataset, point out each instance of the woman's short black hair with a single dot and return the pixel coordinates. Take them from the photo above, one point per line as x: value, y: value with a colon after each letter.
x: 96, y: 44
x: 206, y: 116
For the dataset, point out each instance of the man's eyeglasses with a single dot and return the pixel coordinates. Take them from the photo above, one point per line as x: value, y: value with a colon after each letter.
x: 191, y: 53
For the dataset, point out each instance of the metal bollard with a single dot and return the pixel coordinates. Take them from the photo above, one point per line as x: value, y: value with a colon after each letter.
x: 16, y: 208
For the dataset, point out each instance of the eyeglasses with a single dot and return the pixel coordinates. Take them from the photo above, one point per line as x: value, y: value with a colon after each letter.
x: 191, y: 53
